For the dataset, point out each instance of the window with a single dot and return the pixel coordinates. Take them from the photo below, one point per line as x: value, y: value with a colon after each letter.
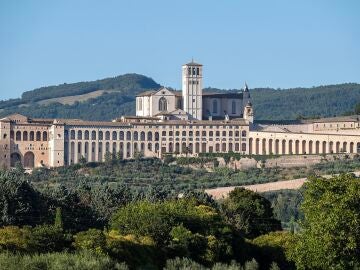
x: 233, y: 107
x: 162, y: 104
x: 215, y: 106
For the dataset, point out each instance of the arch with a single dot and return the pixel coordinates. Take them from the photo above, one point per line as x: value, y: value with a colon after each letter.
x: 177, y: 148
x: 215, y: 106
x: 310, y: 147
x: 243, y: 133
x: 250, y: 146
x: 72, y: 152
x: 114, y: 148
x: 107, y: 135
x: 283, y: 147
x: 297, y: 147
x: 149, y: 136
x: 93, y: 147
x: 277, y: 142
x: 324, y: 151
x: 142, y: 147
x: 86, y: 151
x: 72, y: 134
x: 217, y: 147
x: 121, y: 135
x: 128, y: 135
x: 271, y: 147
x: 101, y: 135
x: 18, y: 136
x: 263, y: 146
x: 203, y: 147
x: 358, y: 148
x: 303, y: 147
x: 233, y: 107
x: 257, y: 142
x: 29, y: 160
x: 351, y: 147
x: 157, y: 136
x: 128, y: 149
x: 107, y: 147
x: 183, y: 148
x: 45, y: 136
x: 136, y: 136
x: 114, y: 135
x: 149, y: 146
x: 79, y: 135
x: 243, y: 147
x: 171, y: 147
x: 25, y: 136
x: 142, y: 136
x: 344, y: 147
x: 317, y: 147
x: 38, y: 136
x: 162, y: 104
x: 14, y: 159
x: 337, y: 147
x: 331, y: 147
x: 86, y: 134
x: 290, y: 147
x: 93, y: 135
x: 197, y: 147
x: 190, y: 148
x: 32, y: 137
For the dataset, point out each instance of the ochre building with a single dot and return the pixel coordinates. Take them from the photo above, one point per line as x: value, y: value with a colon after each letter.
x: 172, y: 122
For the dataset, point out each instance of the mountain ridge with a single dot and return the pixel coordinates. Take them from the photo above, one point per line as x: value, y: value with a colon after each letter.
x: 108, y: 98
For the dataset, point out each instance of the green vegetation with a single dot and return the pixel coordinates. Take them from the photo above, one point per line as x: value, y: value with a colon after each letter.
x: 102, y: 224
x: 331, y: 236
x: 269, y: 104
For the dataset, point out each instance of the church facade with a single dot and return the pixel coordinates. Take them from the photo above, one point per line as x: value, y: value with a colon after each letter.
x: 186, y: 122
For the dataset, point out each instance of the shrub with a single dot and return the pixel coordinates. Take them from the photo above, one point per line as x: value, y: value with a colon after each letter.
x: 92, y: 240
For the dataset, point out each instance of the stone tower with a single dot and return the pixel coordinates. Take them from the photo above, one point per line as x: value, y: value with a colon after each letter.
x: 192, y: 89
x: 249, y: 113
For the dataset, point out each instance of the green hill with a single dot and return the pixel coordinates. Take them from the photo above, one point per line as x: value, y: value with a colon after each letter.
x: 109, y: 98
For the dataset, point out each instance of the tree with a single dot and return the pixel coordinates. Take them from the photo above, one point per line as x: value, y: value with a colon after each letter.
x: 58, y: 219
x: 331, y: 232
x: 250, y: 213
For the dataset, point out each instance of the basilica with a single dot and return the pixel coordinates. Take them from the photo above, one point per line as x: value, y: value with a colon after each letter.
x: 167, y: 122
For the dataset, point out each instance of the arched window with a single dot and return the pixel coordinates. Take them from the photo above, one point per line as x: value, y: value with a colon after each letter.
x: 233, y: 107
x: 243, y: 133
x: 18, y: 135
x: 114, y: 135
x: 25, y: 136
x: 79, y: 135
x: 72, y: 134
x: 93, y: 135
x: 162, y: 104
x: 86, y: 134
x: 107, y: 135
x: 45, y: 136
x: 121, y: 135
x: 215, y: 106
x: 38, y: 136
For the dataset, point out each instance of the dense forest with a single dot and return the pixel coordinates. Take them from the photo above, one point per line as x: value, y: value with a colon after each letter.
x: 269, y: 104
x: 93, y: 216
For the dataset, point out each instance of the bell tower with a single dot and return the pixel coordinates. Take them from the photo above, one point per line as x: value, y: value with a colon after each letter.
x: 192, y: 89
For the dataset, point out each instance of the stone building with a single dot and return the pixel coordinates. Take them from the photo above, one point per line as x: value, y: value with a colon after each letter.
x: 173, y: 122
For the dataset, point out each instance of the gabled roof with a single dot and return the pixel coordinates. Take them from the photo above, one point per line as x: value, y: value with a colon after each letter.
x: 153, y: 92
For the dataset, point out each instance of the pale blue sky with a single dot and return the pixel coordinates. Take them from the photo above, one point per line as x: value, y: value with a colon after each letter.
x: 266, y: 43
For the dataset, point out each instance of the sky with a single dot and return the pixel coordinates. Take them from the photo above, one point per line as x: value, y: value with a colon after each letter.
x: 278, y: 43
